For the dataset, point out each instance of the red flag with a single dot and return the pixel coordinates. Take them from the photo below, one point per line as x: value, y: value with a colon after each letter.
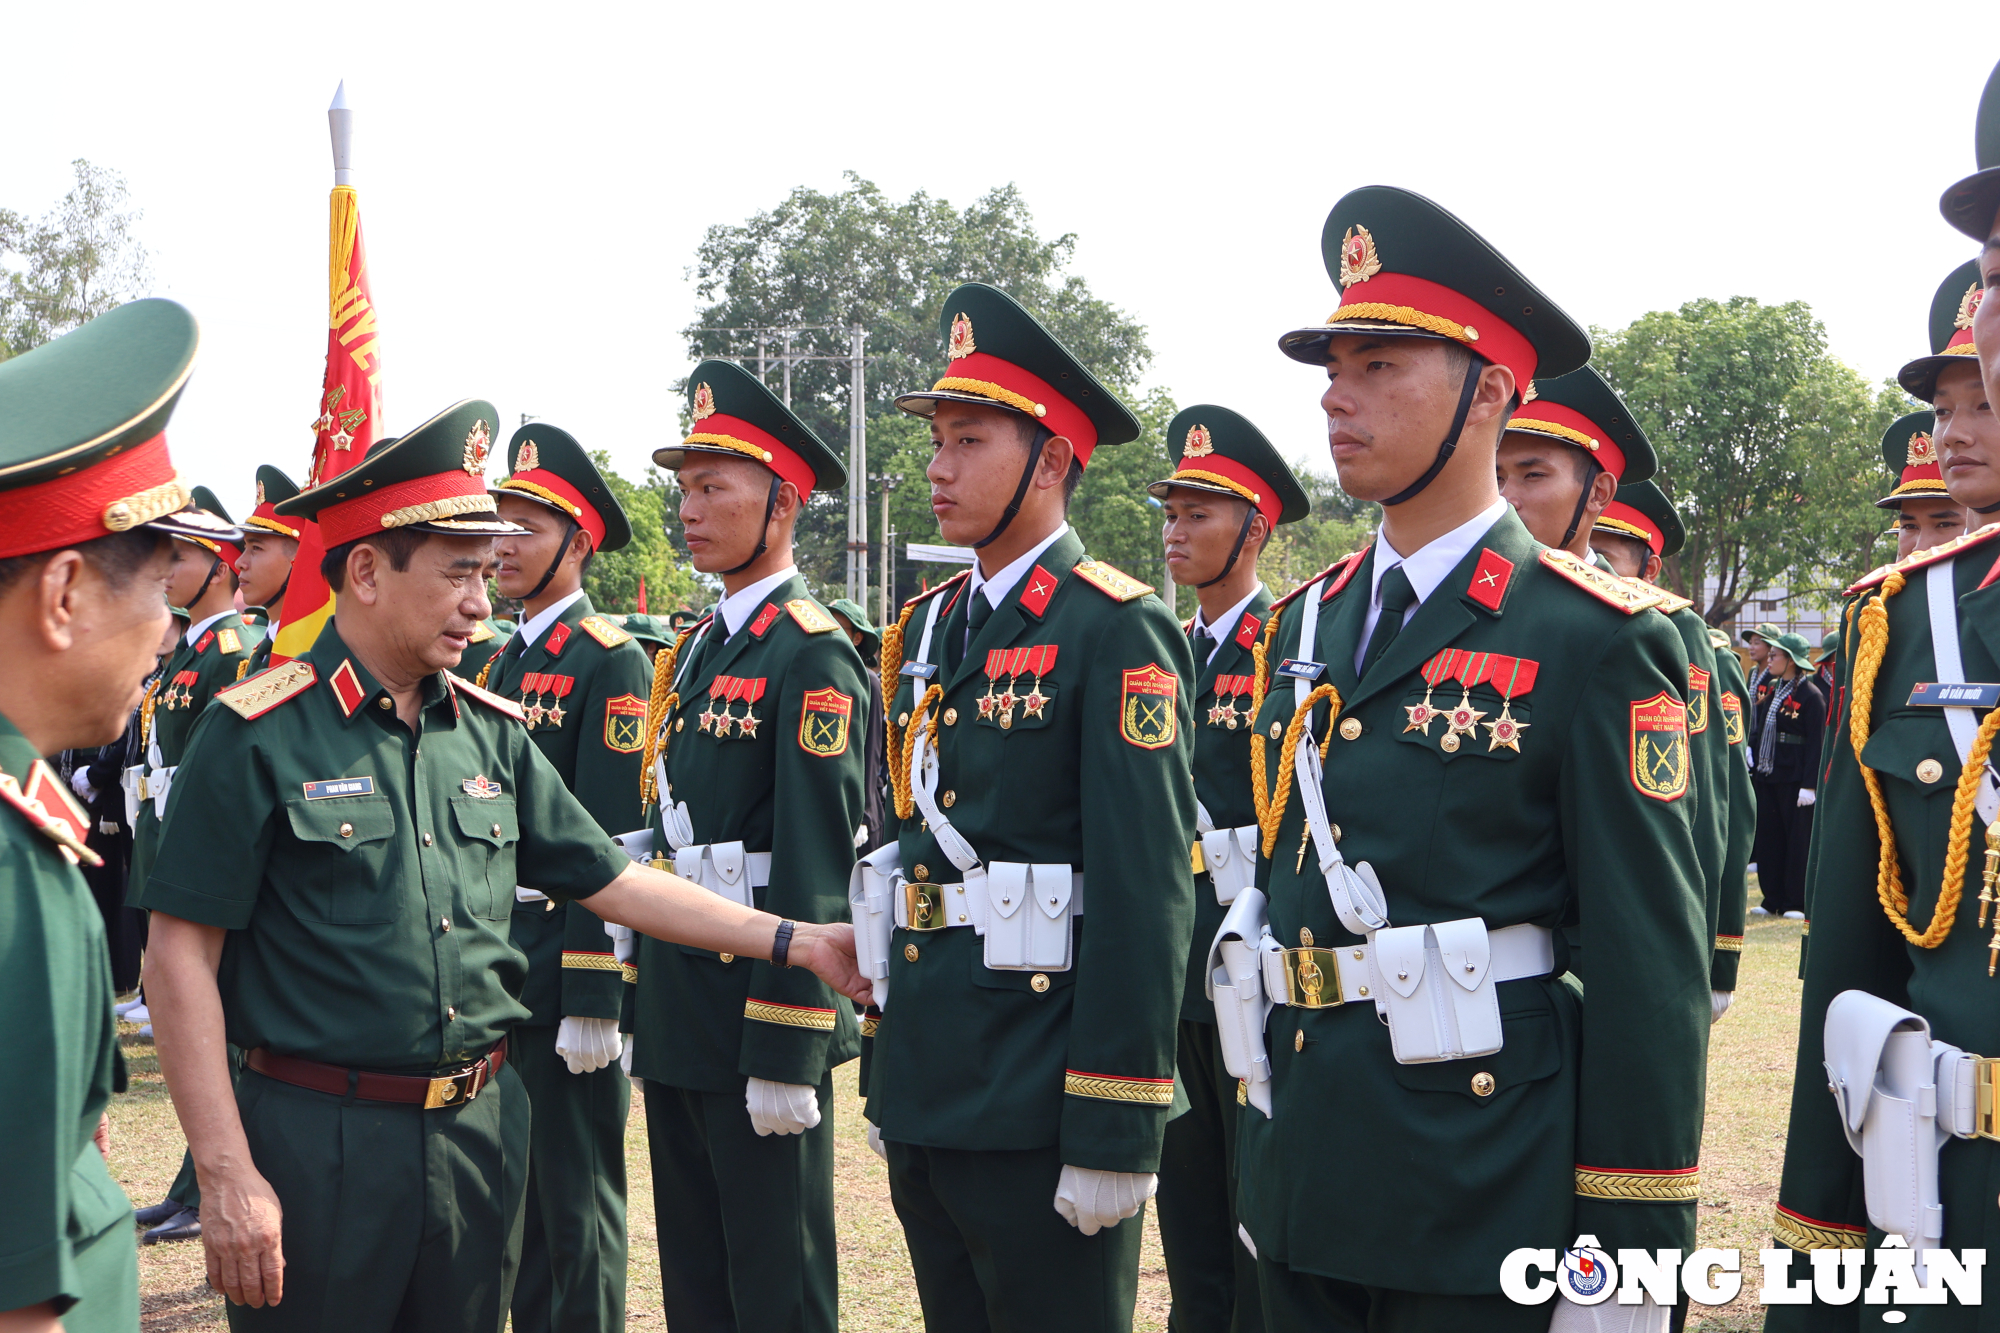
x: 350, y: 415
x: 642, y: 594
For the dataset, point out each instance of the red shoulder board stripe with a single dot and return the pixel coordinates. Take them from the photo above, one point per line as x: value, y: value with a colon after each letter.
x: 346, y: 688
x: 928, y: 593
x: 558, y: 636
x: 44, y: 821
x: 1329, y: 572
x: 764, y: 618
x: 1041, y: 587
x: 1490, y: 578
x: 491, y: 700
x: 1246, y: 633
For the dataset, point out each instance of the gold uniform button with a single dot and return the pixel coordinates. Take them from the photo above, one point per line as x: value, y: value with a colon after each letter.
x: 1929, y: 771
x: 1040, y: 982
x: 347, y: 830
x: 1449, y: 744
x: 923, y: 871
x: 727, y: 957
x: 949, y: 799
x: 1482, y: 1084
x: 951, y: 717
x: 1334, y: 829
x: 680, y: 722
x: 902, y: 719
x: 444, y: 923
x: 384, y: 703
x: 451, y: 1011
x: 496, y: 830
x: 1305, y: 937
x: 909, y: 953
x: 1299, y: 1040
x: 427, y: 839
x: 1350, y: 728
x: 1277, y: 731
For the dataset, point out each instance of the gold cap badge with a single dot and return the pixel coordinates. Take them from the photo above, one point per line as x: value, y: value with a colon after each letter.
x: 1198, y: 442
x: 1922, y: 450
x: 1531, y: 395
x: 961, y: 339
x: 1968, y: 306
x: 476, y: 441
x: 1358, y: 260
x: 260, y: 495
x: 704, y: 402
x: 529, y: 458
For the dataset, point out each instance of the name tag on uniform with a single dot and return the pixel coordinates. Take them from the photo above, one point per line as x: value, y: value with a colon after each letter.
x: 321, y: 790
x: 1949, y: 694
x: 921, y: 670
x: 1298, y: 670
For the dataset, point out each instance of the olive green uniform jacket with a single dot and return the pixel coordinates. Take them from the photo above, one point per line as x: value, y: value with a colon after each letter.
x: 1589, y: 1119
x: 787, y: 785
x: 1098, y: 777
x: 593, y: 734
x: 1729, y: 725
x: 66, y: 1229
x: 1855, y: 945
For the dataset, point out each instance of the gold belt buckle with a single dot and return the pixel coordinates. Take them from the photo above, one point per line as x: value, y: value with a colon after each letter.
x: 455, y: 1089
x: 923, y: 906
x: 1987, y: 1118
x: 1312, y: 979
x: 1197, y: 862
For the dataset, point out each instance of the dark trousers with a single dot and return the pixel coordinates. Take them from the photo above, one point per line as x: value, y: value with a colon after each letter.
x: 1213, y: 1277
x: 573, y: 1235
x: 991, y: 1252
x: 397, y: 1219
x: 1299, y: 1302
x: 745, y: 1221
x: 1778, y: 852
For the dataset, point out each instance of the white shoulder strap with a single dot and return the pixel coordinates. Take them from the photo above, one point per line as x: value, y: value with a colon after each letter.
x: 1939, y: 589
x: 1308, y: 637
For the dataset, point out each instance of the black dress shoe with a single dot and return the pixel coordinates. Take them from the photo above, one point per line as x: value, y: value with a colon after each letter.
x: 154, y: 1214
x: 183, y: 1225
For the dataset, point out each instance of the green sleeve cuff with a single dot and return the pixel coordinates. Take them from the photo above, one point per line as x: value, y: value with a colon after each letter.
x: 203, y: 909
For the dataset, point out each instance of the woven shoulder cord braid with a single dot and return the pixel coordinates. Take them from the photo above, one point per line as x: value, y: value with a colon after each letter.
x: 1274, y: 814
x: 1260, y: 682
x: 923, y: 725
x: 892, y: 673
x: 659, y: 707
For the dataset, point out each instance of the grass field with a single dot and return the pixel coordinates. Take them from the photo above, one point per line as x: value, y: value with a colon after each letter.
x: 1749, y: 1091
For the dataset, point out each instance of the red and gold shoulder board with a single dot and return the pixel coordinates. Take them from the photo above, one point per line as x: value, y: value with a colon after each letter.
x: 51, y: 811
x: 229, y: 641
x: 480, y: 633
x: 257, y: 695
x: 1607, y: 588
x: 1920, y: 559
x: 1668, y: 603
x: 1112, y: 582
x: 487, y: 697
x: 1336, y: 575
x: 811, y: 619
x: 602, y: 630
x: 954, y: 581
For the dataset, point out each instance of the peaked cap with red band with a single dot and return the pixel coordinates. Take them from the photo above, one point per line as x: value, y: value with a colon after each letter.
x: 545, y: 464
x: 229, y: 548
x: 1407, y: 268
x: 734, y: 413
x: 433, y: 480
x: 1580, y: 409
x: 1642, y: 510
x: 1952, y: 308
x: 1912, y: 460
x: 1222, y: 452
x: 1970, y: 204
x: 999, y: 355
x: 273, y: 489
x: 83, y: 452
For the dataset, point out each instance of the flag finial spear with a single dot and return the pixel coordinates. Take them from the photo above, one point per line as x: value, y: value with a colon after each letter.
x: 340, y: 121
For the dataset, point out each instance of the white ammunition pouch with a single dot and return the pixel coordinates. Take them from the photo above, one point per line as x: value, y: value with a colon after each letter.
x: 133, y: 783
x: 1228, y: 855
x: 725, y: 869
x: 873, y: 891
x: 1243, y: 1003
x: 638, y: 845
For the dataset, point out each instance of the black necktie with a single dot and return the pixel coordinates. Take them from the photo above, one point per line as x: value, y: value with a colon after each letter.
x: 1397, y: 595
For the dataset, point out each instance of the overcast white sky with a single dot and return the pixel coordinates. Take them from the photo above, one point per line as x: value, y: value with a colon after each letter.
x: 534, y: 179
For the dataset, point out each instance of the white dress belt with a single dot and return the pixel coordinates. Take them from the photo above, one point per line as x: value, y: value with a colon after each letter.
x: 1517, y: 951
x: 970, y: 903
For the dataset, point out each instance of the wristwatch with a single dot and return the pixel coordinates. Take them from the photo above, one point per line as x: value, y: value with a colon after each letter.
x: 782, y: 944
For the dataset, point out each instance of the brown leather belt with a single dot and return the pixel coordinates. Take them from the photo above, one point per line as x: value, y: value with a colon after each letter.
x: 451, y: 1089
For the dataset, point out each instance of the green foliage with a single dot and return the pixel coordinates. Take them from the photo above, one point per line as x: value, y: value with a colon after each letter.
x: 1767, y: 444
x: 1338, y: 525
x: 78, y: 261
x: 613, y: 581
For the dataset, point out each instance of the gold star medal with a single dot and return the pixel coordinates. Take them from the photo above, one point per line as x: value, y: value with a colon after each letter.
x: 1434, y: 672
x: 995, y: 658
x: 1040, y: 660
x: 1505, y: 729
x: 560, y: 687
x: 1463, y: 719
x: 746, y: 726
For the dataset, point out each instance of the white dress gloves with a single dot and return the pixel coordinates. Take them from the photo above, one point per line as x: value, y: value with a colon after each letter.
x: 875, y: 1143
x: 586, y: 1044
x: 1718, y: 1003
x: 1092, y: 1200
x: 781, y: 1108
x: 1608, y: 1317
x: 1807, y: 796
x: 79, y: 783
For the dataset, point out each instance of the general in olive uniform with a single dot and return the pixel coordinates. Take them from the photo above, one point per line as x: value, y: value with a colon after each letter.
x: 84, y: 471
x: 1460, y: 746
x: 1040, y: 893
x: 1229, y: 492
x: 581, y: 683
x: 756, y: 725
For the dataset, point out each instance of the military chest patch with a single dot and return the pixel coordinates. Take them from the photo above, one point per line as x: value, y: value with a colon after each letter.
x: 823, y: 722
x: 327, y: 788
x: 1660, y: 747
x: 809, y: 617
x: 1115, y: 583
x: 602, y: 630
x: 1697, y: 700
x: 264, y: 691
x: 625, y: 724
x: 483, y: 787
x: 1146, y: 716
x: 1732, y: 717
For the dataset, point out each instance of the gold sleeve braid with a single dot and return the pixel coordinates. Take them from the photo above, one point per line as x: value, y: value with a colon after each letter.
x: 659, y: 707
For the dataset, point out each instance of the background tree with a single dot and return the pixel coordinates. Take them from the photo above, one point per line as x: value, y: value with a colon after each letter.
x: 613, y: 581
x: 1338, y: 525
x: 1768, y: 445
x: 79, y: 260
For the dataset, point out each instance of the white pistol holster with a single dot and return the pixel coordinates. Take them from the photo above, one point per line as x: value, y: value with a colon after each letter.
x: 725, y: 869
x: 872, y: 892
x: 1229, y: 855
x: 1437, y: 990
x: 1235, y: 983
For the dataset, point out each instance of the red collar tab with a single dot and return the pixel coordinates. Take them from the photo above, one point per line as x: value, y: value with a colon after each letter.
x: 201, y: 644
x: 346, y: 686
x: 980, y: 373
x: 1554, y: 421
x: 558, y: 636
x: 764, y: 619
x: 1490, y: 578
x: 1400, y: 298
x: 734, y: 435
x: 106, y: 497
x: 1041, y: 586
x: 1246, y: 630
x: 1621, y: 516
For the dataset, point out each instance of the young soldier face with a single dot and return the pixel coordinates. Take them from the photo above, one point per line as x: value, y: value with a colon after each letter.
x: 722, y: 509
x: 1627, y: 556
x: 189, y: 569
x: 1986, y: 320
x: 1200, y: 532
x: 1389, y: 403
x: 975, y: 468
x: 1968, y: 437
x: 264, y: 566
x: 1543, y: 481
x: 1926, y: 523
x: 422, y: 616
x: 525, y: 556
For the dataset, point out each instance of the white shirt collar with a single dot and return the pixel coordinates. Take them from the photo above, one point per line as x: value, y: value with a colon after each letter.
x: 1226, y: 626
x: 737, y: 608
x: 1427, y: 566
x: 196, y: 631
x: 539, y: 623
x: 1002, y: 583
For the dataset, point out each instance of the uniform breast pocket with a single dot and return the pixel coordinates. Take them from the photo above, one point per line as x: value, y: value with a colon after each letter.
x: 341, y: 876
x: 489, y: 831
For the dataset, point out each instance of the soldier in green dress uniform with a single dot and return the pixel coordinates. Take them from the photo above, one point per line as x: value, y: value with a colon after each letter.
x: 1040, y: 745
x: 581, y: 683
x: 1229, y: 493
x: 357, y: 821
x: 264, y: 570
x: 1464, y: 736
x: 756, y: 770
x: 88, y: 498
x: 1926, y: 515
x: 1634, y: 535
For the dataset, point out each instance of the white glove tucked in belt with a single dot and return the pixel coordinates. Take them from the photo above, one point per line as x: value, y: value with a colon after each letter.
x: 586, y: 1044
x: 1608, y: 1317
x: 1092, y: 1200
x: 781, y: 1108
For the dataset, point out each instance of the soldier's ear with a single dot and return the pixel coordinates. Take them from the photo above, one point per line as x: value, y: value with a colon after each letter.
x: 364, y: 570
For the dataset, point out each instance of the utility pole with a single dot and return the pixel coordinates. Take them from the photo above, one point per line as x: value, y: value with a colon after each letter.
x: 888, y: 553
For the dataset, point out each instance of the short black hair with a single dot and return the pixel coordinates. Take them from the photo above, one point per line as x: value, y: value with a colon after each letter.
x: 116, y: 557
x: 399, y: 544
x: 1458, y: 358
x: 1034, y: 433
